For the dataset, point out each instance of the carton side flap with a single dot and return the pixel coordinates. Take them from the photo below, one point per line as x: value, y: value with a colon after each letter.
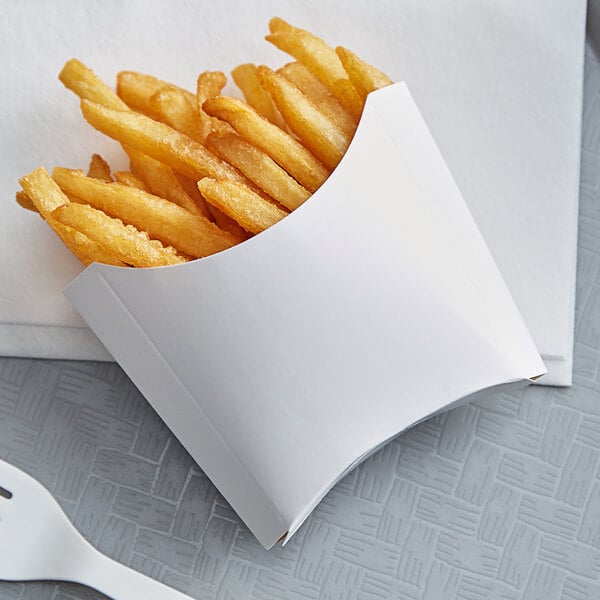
x: 458, y: 248
x: 156, y: 380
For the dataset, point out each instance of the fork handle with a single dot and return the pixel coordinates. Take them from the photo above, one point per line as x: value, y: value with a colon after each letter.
x: 122, y: 583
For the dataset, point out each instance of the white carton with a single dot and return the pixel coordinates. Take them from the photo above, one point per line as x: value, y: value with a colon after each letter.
x: 283, y: 362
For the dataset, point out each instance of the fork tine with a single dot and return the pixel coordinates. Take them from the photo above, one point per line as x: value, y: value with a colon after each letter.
x: 6, y: 494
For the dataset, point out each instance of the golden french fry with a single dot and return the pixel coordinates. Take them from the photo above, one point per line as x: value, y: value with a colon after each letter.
x: 162, y: 181
x: 87, y: 85
x: 131, y: 180
x: 194, y: 235
x: 319, y: 58
x: 251, y: 211
x: 46, y: 196
x: 280, y: 146
x: 227, y: 224
x: 259, y: 168
x: 256, y: 96
x: 363, y: 76
x: 43, y: 191
x: 316, y: 131
x: 99, y: 168
x: 191, y: 189
x: 210, y: 212
x: 136, y: 89
x: 24, y: 201
x: 85, y: 249
x: 209, y: 84
x: 278, y: 25
x: 171, y: 106
x: 131, y: 246
x: 320, y: 95
x: 161, y: 142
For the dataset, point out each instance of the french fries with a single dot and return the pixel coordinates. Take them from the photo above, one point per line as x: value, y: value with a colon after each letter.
x: 130, y: 179
x: 136, y: 90
x: 99, y: 168
x: 259, y: 167
x: 315, y: 130
x: 279, y: 145
x: 162, y: 181
x: 193, y: 235
x: 133, y: 247
x: 24, y: 201
x: 364, y: 77
x: 207, y: 171
x: 87, y: 85
x: 256, y: 96
x: 251, y: 211
x: 209, y: 84
x: 158, y: 140
x: 45, y: 195
x: 171, y: 106
x: 320, y: 95
x: 319, y: 58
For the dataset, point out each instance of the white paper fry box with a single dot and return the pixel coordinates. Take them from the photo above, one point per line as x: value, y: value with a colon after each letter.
x: 284, y: 361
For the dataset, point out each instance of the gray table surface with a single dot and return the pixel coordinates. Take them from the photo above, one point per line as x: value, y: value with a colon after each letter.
x: 496, y: 500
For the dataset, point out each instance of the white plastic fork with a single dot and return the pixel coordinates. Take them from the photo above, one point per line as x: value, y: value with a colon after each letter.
x: 38, y: 542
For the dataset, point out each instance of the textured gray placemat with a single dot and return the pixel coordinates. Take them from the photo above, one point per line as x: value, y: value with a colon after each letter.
x: 496, y: 500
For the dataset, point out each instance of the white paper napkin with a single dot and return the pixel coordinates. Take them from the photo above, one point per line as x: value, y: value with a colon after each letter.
x: 499, y: 85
